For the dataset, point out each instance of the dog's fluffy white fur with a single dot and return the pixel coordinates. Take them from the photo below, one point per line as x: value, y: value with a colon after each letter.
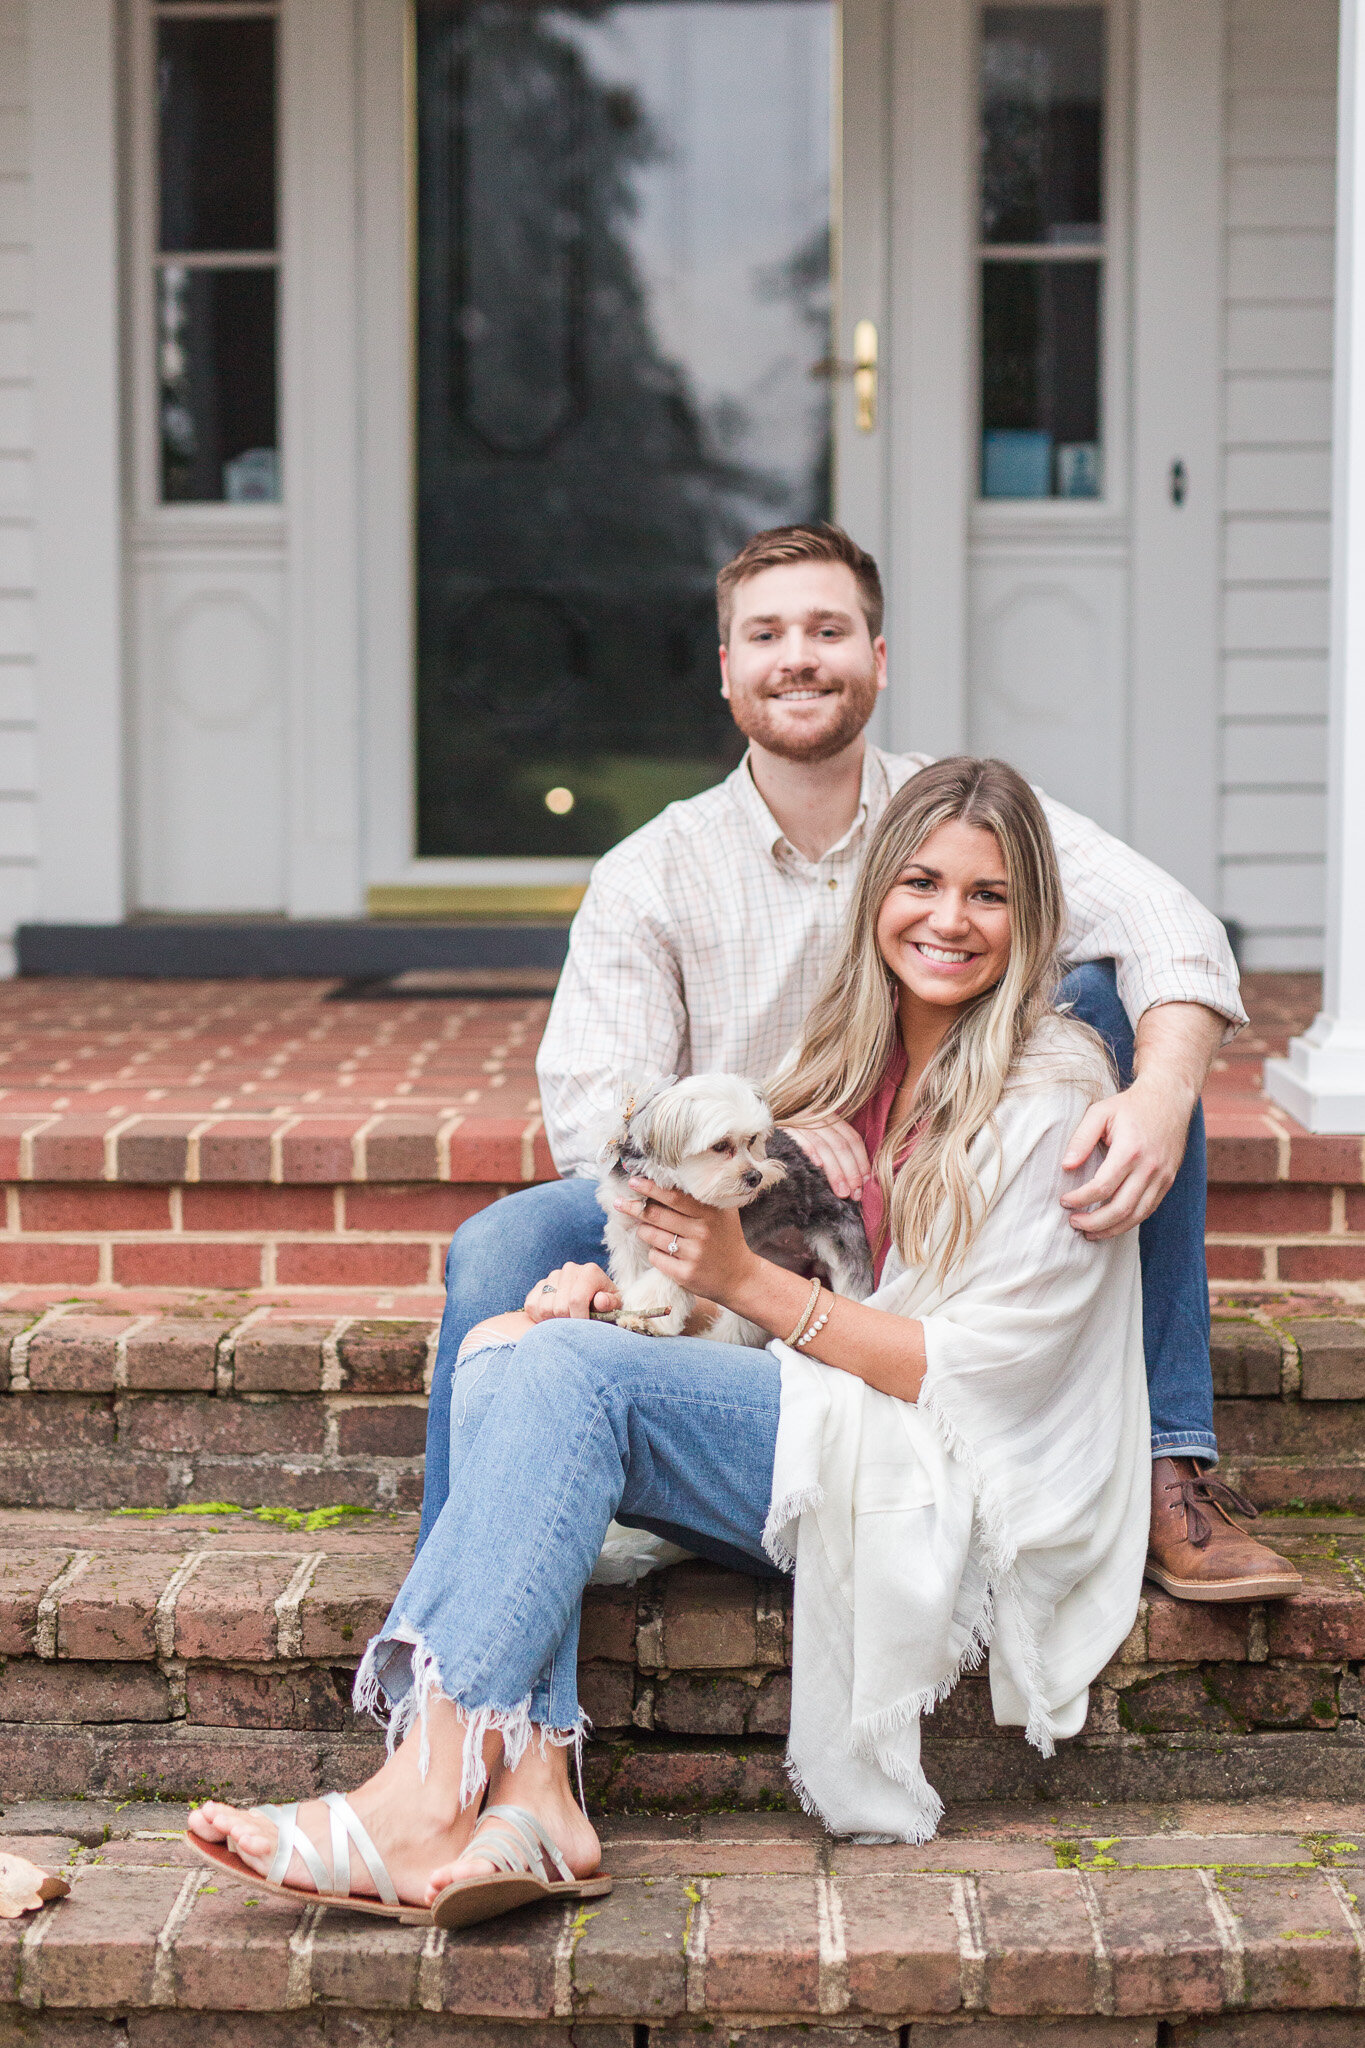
x: 709, y: 1136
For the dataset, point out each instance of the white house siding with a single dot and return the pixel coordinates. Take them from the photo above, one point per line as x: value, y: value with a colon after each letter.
x: 1281, y: 134
x: 17, y: 783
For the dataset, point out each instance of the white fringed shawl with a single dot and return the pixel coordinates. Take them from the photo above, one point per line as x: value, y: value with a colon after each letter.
x: 1007, y: 1508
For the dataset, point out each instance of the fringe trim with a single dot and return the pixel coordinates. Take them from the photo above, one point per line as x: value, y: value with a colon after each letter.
x: 513, y: 1724
x: 928, y: 1807
x: 1001, y: 1557
x: 781, y: 1515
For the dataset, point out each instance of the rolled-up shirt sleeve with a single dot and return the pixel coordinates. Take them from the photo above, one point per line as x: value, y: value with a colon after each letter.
x: 1120, y: 906
x: 618, y: 1017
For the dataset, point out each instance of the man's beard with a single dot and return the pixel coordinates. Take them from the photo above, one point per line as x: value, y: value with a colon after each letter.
x: 754, y: 714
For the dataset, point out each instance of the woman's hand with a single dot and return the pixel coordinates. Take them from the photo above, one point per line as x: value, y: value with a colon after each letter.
x: 837, y: 1150
x: 571, y: 1291
x: 711, y: 1258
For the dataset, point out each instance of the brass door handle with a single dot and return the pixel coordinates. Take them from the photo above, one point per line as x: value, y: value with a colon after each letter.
x: 863, y: 371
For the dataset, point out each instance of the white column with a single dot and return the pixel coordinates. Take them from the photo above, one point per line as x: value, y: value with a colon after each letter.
x: 1322, y: 1083
x: 77, y: 503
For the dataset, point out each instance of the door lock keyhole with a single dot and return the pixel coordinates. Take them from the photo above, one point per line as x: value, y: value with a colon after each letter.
x: 1179, y: 482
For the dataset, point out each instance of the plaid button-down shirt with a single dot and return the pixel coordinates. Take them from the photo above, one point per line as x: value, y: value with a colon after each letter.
x: 704, y: 937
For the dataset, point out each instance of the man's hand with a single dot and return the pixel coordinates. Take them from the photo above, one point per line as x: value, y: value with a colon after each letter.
x: 1147, y: 1126
x: 1145, y: 1129
x: 837, y: 1150
x: 571, y: 1291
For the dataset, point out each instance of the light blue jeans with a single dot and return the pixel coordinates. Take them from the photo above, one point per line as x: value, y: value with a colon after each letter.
x: 550, y: 1438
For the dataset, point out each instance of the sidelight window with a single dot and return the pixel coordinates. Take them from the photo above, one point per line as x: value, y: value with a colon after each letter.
x: 1042, y: 250
x: 215, y: 298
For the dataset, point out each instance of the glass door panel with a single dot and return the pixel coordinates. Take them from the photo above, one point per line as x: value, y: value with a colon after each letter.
x: 1042, y: 250
x: 623, y: 291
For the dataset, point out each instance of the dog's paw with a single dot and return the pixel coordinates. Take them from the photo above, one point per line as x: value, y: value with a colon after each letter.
x: 646, y: 1326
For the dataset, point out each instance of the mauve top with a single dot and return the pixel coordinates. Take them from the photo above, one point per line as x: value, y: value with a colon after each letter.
x: 870, y: 1123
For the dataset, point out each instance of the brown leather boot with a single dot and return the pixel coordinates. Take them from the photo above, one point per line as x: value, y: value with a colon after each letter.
x: 1197, y: 1552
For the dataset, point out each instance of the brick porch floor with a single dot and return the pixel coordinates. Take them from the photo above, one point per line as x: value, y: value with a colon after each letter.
x: 272, y: 1081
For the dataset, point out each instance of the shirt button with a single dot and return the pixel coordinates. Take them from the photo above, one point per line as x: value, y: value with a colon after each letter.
x: 833, y: 884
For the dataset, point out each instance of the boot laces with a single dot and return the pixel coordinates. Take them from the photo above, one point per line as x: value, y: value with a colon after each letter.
x: 1201, y: 1492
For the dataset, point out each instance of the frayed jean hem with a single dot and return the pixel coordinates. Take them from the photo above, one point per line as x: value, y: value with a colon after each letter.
x: 398, y: 1677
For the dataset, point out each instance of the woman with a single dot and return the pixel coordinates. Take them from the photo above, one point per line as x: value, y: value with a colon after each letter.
x: 959, y: 1461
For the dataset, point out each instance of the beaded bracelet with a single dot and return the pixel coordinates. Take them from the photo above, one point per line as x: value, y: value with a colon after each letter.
x: 816, y: 1327
x: 807, y: 1312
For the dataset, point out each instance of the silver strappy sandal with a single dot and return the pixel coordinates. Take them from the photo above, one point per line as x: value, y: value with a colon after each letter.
x: 332, y: 1887
x: 522, y: 1876
x: 515, y: 1843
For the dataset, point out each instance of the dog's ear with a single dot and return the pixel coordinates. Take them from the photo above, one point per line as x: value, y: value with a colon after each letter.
x: 621, y: 1145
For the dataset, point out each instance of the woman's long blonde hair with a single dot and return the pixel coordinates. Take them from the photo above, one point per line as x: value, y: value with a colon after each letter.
x: 936, y: 1200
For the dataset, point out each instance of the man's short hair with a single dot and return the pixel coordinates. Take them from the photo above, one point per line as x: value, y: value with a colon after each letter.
x: 783, y: 544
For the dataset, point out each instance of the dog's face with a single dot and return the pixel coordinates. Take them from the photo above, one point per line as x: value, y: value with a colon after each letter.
x: 708, y: 1136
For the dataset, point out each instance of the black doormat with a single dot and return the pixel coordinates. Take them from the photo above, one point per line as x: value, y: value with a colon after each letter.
x: 453, y: 983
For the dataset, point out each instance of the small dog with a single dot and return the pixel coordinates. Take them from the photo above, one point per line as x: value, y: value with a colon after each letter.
x: 713, y: 1137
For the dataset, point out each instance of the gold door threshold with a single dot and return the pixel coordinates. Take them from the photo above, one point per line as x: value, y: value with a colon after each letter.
x: 475, y: 903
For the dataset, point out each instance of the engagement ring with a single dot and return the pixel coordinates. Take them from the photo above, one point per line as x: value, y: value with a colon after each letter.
x: 546, y: 1288
x: 673, y: 1247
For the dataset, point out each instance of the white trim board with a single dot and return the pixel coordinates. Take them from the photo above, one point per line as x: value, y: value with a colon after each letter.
x: 78, y: 525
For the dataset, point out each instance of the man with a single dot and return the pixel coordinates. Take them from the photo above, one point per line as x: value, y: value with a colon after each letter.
x: 702, y: 941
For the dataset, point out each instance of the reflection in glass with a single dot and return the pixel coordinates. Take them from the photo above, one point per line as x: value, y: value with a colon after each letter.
x: 1040, y: 326
x: 623, y: 217
x: 1042, y: 131
x: 216, y: 373
x: 216, y: 94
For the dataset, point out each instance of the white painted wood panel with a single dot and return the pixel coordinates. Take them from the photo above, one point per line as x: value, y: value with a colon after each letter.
x: 1266, y: 618
x: 1270, y: 686
x: 1269, y: 821
x: 1277, y: 479
x: 1265, y: 549
x: 1281, y: 138
x: 1275, y: 897
x: 1281, y: 952
x: 1270, y: 124
x: 1280, y: 409
x: 1275, y: 751
x: 1281, y: 195
x: 1049, y: 668
x: 18, y: 834
x: 1279, y: 338
x: 77, y: 441
x: 18, y: 737
x: 1288, y: 263
x: 210, y: 808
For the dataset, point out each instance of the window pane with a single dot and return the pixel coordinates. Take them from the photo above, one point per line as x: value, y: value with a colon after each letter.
x: 1042, y: 88
x: 623, y: 289
x: 1040, y: 380
x: 216, y: 83
x: 216, y: 357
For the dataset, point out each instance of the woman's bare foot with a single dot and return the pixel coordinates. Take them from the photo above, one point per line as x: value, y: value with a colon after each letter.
x: 416, y: 1824
x: 539, y: 1784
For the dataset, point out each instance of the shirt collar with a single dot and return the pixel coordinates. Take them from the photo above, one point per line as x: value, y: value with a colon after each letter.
x: 872, y: 793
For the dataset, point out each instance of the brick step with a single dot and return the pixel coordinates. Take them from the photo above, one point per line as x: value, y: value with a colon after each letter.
x: 170, y: 1654
x: 152, y: 1398
x: 1221, y: 1927
x: 313, y: 1228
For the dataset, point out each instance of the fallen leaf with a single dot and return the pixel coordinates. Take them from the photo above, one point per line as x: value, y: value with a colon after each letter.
x: 24, y: 1888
